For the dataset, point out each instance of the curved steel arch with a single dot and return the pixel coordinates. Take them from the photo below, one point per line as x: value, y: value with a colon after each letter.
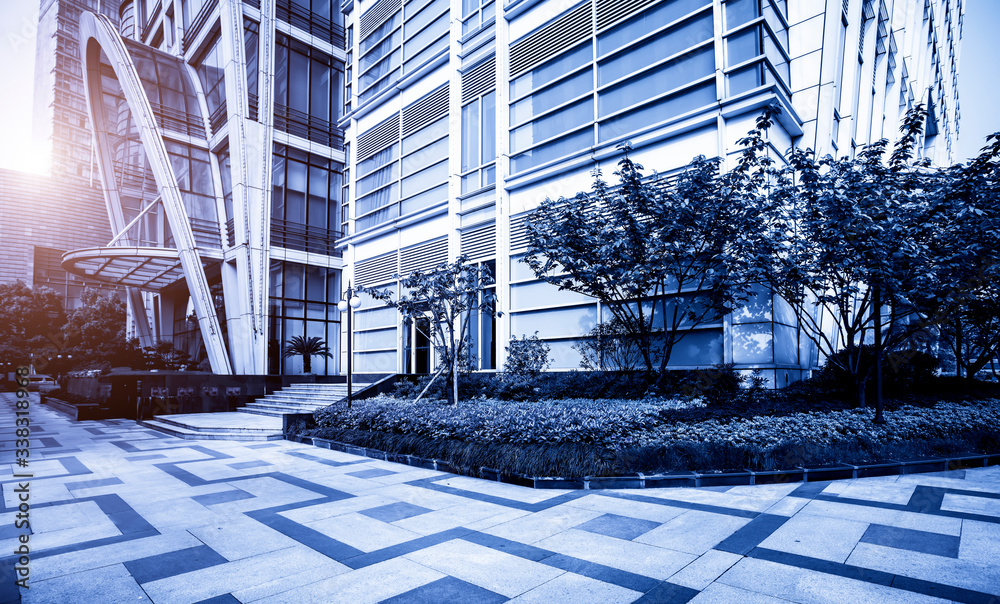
x: 97, y: 34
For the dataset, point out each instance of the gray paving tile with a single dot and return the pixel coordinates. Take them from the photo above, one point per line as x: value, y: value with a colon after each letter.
x: 916, y: 541
x: 622, y: 527
x: 395, y: 511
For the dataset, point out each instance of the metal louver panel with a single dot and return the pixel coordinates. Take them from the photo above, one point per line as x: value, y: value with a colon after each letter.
x: 425, y: 110
x: 610, y: 12
x: 574, y: 26
x: 479, y: 80
x: 518, y: 233
x: 480, y: 242
x: 424, y: 256
x: 378, y: 137
x: 374, y: 271
x: 376, y: 15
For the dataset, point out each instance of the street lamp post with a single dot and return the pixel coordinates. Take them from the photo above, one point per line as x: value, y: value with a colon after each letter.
x: 349, y: 302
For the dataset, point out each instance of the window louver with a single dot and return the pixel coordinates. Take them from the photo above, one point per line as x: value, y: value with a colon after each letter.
x: 479, y: 80
x: 376, y: 15
x: 378, y: 137
x: 574, y: 26
x: 375, y: 271
x: 518, y: 233
x: 480, y: 242
x: 610, y: 12
x: 424, y: 256
x: 425, y: 110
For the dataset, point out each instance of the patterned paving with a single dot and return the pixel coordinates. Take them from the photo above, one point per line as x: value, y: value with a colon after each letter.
x: 120, y: 513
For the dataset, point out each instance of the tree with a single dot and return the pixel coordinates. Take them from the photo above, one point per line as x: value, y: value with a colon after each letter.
x: 446, y: 295
x: 852, y: 247
x: 306, y: 348
x: 662, y: 256
x: 30, y: 323
x: 959, y: 294
x: 96, y: 333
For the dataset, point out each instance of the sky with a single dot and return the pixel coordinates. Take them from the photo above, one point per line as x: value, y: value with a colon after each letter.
x: 979, y: 81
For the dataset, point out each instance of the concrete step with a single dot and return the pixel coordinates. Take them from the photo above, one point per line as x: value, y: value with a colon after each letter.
x: 284, y: 405
x: 273, y: 409
x: 217, y: 426
x: 264, y: 412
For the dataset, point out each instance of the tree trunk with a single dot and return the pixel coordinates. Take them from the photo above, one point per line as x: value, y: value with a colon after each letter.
x: 877, y: 303
x: 958, y: 348
x: 307, y: 363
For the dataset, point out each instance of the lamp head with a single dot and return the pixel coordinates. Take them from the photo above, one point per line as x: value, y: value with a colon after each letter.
x: 342, y: 305
x: 355, y: 301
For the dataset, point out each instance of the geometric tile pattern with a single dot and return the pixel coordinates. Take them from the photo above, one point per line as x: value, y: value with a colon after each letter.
x: 118, y: 513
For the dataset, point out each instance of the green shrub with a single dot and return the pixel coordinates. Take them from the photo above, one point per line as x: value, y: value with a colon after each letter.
x: 903, y: 372
x: 526, y: 358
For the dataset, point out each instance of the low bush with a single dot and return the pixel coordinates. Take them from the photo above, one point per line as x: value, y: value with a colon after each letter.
x: 903, y: 372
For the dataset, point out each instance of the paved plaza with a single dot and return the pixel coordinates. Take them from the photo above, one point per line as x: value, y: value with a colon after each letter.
x: 120, y: 513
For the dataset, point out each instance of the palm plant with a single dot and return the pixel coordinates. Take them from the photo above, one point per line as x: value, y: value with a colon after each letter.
x: 306, y: 347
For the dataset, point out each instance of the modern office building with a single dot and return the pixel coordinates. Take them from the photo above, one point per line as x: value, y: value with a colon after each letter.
x: 462, y: 117
x: 259, y: 156
x: 44, y: 215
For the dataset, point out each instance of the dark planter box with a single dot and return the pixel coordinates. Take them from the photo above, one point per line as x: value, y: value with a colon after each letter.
x: 881, y: 468
x: 614, y: 482
x: 922, y: 464
x: 680, y: 479
x: 518, y: 479
x: 558, y: 483
x: 993, y: 459
x: 962, y: 462
x: 725, y: 479
x: 489, y: 473
x: 777, y: 476
x: 444, y: 466
x: 831, y: 472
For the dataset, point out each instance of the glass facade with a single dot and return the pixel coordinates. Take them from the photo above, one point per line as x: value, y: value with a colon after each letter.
x: 654, y: 66
x: 302, y: 302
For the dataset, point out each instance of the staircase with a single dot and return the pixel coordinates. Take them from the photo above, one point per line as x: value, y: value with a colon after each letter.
x: 300, y: 398
x: 259, y: 420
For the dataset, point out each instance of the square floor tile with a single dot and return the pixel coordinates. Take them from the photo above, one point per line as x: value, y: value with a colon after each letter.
x: 448, y: 589
x: 395, y: 511
x: 621, y: 527
x: 374, y: 473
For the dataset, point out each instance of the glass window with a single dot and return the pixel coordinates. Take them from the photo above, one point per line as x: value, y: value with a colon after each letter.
x: 681, y: 71
x: 425, y: 179
x: 210, y: 72
x: 739, y: 12
x: 553, y: 150
x: 743, y: 46
x: 669, y: 43
x: 646, y: 22
x: 552, y: 125
x: 552, y: 70
x: 656, y: 112
x: 431, y: 132
x: 544, y: 100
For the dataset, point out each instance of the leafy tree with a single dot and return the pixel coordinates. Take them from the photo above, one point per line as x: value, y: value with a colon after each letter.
x: 857, y: 245
x: 96, y: 333
x: 306, y: 348
x: 662, y: 256
x: 30, y: 322
x: 959, y: 294
x: 445, y: 295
